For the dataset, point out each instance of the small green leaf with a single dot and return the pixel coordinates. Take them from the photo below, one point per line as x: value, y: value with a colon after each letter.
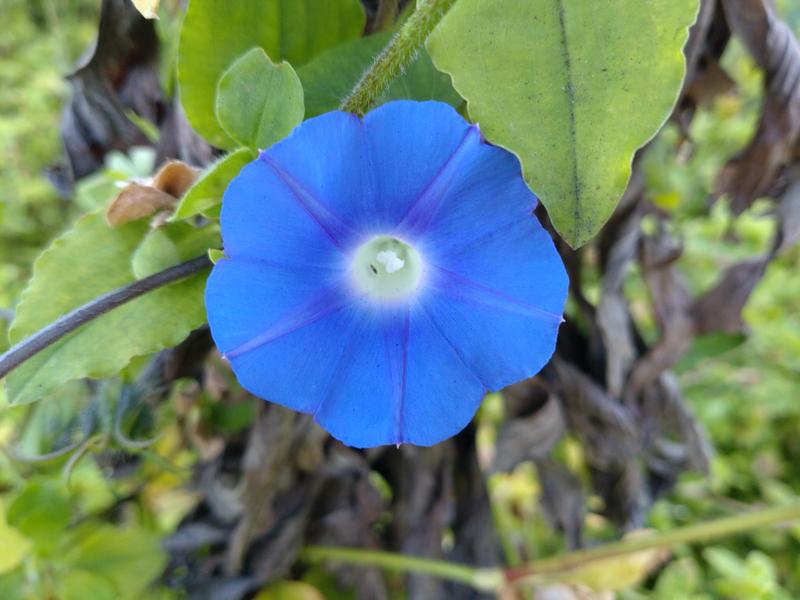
x: 208, y: 189
x: 330, y: 77
x: 567, y: 87
x: 214, y: 254
x: 217, y: 32
x: 130, y: 559
x: 87, y: 261
x: 41, y: 512
x: 259, y: 102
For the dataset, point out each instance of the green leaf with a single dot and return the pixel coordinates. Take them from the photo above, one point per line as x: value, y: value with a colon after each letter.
x: 169, y: 245
x: 14, y: 546
x: 79, y: 585
x: 330, y: 77
x: 41, y: 512
x: 259, y: 102
x: 130, y: 559
x: 156, y: 252
x: 217, y: 32
x: 208, y: 189
x: 87, y: 261
x: 572, y: 87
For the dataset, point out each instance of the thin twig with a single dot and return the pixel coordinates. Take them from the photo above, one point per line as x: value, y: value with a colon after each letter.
x: 43, y: 338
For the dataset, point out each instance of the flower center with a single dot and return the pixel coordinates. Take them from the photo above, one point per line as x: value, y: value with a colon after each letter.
x: 385, y: 267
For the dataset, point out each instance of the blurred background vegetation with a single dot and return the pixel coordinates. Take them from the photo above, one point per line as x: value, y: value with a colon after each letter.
x: 75, y: 524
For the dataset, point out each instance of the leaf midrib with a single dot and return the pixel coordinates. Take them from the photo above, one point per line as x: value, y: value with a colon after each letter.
x: 570, y: 99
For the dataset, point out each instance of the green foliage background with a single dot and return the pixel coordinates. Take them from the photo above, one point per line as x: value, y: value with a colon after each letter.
x: 69, y: 531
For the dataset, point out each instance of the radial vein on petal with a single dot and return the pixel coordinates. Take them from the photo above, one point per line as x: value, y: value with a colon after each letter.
x: 322, y: 305
x: 472, y: 291
x: 423, y: 209
x: 333, y: 227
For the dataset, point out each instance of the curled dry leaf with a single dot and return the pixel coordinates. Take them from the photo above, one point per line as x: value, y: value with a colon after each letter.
x: 175, y: 178
x: 776, y: 50
x: 613, y: 317
x: 604, y: 426
x: 136, y: 201
x: 529, y: 437
x: 720, y: 309
x: 139, y: 200
x: 563, y: 500
x: 671, y: 300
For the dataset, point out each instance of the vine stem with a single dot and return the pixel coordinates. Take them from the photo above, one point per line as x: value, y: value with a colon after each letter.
x: 396, y: 55
x: 481, y: 579
x: 43, y: 338
x: 494, y: 579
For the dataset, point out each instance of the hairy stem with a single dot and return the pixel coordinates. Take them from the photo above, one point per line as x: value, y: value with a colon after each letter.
x: 493, y: 579
x: 396, y: 55
x: 43, y: 338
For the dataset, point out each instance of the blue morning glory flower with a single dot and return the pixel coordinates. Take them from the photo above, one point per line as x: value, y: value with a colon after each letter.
x: 384, y: 273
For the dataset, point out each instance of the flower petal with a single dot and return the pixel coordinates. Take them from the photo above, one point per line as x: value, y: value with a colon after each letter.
x: 399, y: 382
x: 263, y: 219
x: 298, y: 369
x: 411, y: 148
x: 284, y: 309
x: 360, y: 407
x: 485, y: 195
x: 500, y: 303
x: 245, y: 298
x: 326, y: 160
x: 442, y: 391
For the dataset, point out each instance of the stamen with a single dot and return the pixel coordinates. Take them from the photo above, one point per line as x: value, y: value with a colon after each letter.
x: 390, y: 261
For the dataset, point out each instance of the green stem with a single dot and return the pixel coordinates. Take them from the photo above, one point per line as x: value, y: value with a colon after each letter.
x: 493, y: 579
x: 396, y: 55
x: 485, y: 580
x: 701, y: 532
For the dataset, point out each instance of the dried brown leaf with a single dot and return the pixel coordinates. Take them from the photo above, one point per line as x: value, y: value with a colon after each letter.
x: 136, y: 201
x: 776, y: 50
x: 720, y: 308
x: 562, y: 500
x: 175, y: 177
x: 529, y: 437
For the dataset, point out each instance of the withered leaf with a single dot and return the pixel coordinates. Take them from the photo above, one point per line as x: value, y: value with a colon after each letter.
x: 776, y: 50
x: 138, y: 200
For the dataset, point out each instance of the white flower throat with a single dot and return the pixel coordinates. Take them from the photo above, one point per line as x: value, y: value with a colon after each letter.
x: 386, y: 268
